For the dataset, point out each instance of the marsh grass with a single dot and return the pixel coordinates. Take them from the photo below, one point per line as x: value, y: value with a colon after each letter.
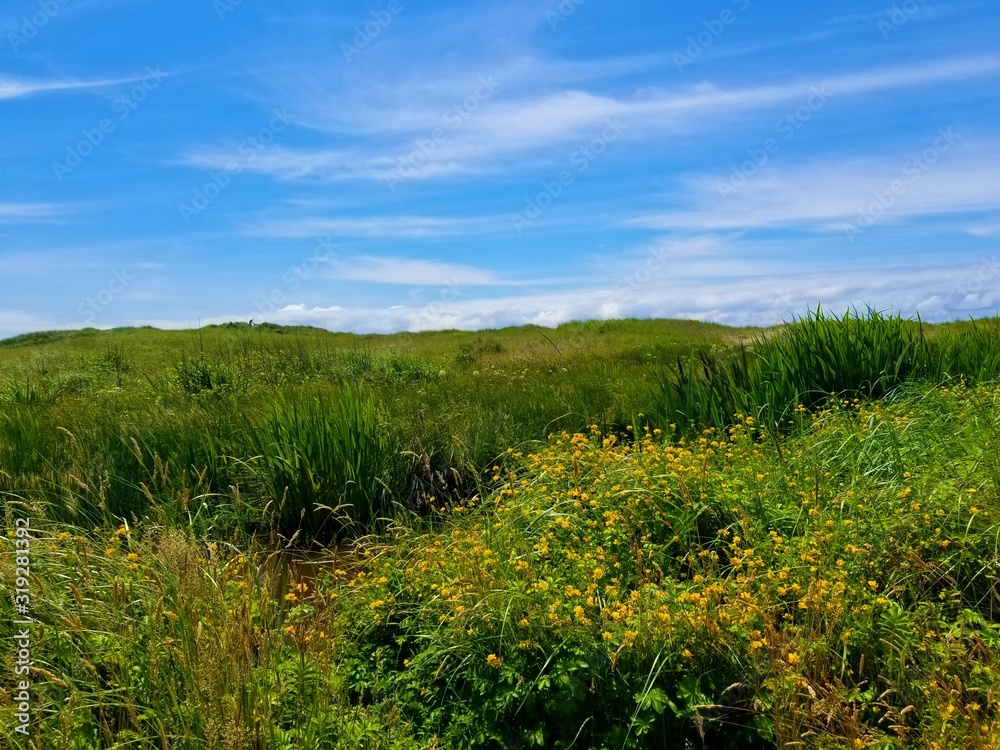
x: 804, y: 363
x: 328, y: 460
x: 790, y: 540
x: 157, y: 640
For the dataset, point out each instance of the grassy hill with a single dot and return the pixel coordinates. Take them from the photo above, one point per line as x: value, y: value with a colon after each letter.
x: 620, y: 534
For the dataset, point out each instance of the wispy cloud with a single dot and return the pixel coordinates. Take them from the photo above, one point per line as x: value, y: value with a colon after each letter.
x: 735, y: 293
x: 20, y: 263
x: 767, y: 298
x: 388, y: 122
x: 410, y: 272
x: 14, y: 322
x: 642, y: 230
x: 411, y: 227
x: 15, y: 88
x: 417, y: 272
x: 829, y: 194
x: 35, y: 213
x: 286, y: 163
x: 985, y: 230
x: 926, y: 12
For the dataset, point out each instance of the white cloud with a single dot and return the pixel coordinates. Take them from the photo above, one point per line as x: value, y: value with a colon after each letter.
x: 14, y: 88
x: 734, y: 298
x: 411, y: 272
x: 986, y: 230
x: 701, y: 278
x: 15, y: 322
x: 388, y: 120
x: 29, y: 213
x: 411, y: 227
x: 831, y: 194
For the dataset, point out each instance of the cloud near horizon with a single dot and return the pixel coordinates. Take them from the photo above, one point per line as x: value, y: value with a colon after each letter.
x: 485, y: 163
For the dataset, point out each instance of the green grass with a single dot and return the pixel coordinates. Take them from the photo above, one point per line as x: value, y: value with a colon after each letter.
x: 865, y: 355
x: 328, y: 458
x: 627, y: 534
x: 205, y: 419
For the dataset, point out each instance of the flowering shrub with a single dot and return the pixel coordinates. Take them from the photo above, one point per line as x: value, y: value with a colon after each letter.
x: 629, y: 592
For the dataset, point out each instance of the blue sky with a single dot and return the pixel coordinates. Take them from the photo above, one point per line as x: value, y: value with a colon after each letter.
x: 381, y: 166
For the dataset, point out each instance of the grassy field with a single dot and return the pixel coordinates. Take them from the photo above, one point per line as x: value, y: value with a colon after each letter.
x: 630, y: 534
